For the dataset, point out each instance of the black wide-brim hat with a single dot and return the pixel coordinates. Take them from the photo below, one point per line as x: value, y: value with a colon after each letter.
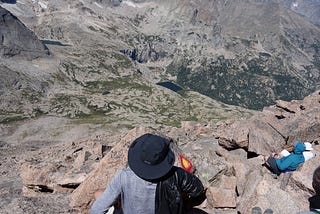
x: 150, y: 156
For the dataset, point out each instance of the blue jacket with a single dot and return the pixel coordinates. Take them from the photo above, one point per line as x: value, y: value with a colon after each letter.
x: 292, y: 161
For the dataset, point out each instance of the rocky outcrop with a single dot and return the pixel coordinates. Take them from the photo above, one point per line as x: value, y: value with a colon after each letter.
x: 275, y: 126
x: 114, y: 161
x: 17, y: 39
x: 225, y: 157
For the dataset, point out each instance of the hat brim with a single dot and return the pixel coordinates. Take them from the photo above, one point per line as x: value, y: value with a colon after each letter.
x: 146, y: 171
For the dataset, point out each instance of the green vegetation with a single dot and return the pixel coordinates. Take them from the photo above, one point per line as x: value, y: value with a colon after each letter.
x: 258, y: 84
x: 67, y: 104
x: 143, y: 39
x: 92, y: 28
x: 149, y: 38
x: 101, y: 62
x: 11, y: 117
x: 316, y: 56
x: 172, y: 123
x: 138, y: 19
x: 61, y: 77
x: 92, y: 118
x: 33, y: 96
x: 246, y: 42
x: 113, y: 28
x: 117, y: 83
x: 61, y: 99
x: 70, y: 70
x: 122, y: 60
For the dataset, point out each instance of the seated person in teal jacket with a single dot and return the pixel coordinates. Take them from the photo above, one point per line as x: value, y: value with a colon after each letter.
x: 288, y: 163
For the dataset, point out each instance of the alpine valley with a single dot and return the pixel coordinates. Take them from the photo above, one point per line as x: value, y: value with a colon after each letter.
x: 73, y: 70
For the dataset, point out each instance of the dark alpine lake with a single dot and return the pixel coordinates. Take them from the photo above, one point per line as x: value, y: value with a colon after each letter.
x: 170, y: 85
x: 51, y: 42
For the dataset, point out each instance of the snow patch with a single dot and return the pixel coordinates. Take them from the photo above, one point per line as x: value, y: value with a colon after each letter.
x: 42, y: 5
x: 131, y: 4
x: 98, y: 5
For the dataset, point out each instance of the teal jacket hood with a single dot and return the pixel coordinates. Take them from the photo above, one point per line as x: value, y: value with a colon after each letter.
x: 299, y: 148
x: 292, y: 161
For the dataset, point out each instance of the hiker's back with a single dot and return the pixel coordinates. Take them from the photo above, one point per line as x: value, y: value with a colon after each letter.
x: 150, y: 161
x: 137, y: 195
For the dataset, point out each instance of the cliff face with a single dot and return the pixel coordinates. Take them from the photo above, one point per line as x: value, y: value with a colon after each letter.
x: 240, y: 52
x: 17, y: 39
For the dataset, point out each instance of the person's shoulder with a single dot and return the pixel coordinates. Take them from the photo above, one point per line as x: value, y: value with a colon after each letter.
x: 124, y: 175
x: 126, y: 170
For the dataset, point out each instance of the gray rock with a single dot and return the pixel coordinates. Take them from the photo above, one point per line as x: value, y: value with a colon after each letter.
x: 17, y: 39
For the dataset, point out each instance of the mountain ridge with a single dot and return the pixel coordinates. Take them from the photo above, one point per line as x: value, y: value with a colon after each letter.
x: 278, y: 51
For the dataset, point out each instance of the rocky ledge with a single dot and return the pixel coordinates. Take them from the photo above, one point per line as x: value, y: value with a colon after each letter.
x: 226, y: 157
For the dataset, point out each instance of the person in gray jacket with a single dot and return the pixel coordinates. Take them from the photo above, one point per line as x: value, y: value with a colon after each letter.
x: 142, y: 185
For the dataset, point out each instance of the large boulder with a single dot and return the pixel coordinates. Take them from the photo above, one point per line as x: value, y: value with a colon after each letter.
x: 17, y: 39
x: 116, y: 159
x: 275, y: 127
